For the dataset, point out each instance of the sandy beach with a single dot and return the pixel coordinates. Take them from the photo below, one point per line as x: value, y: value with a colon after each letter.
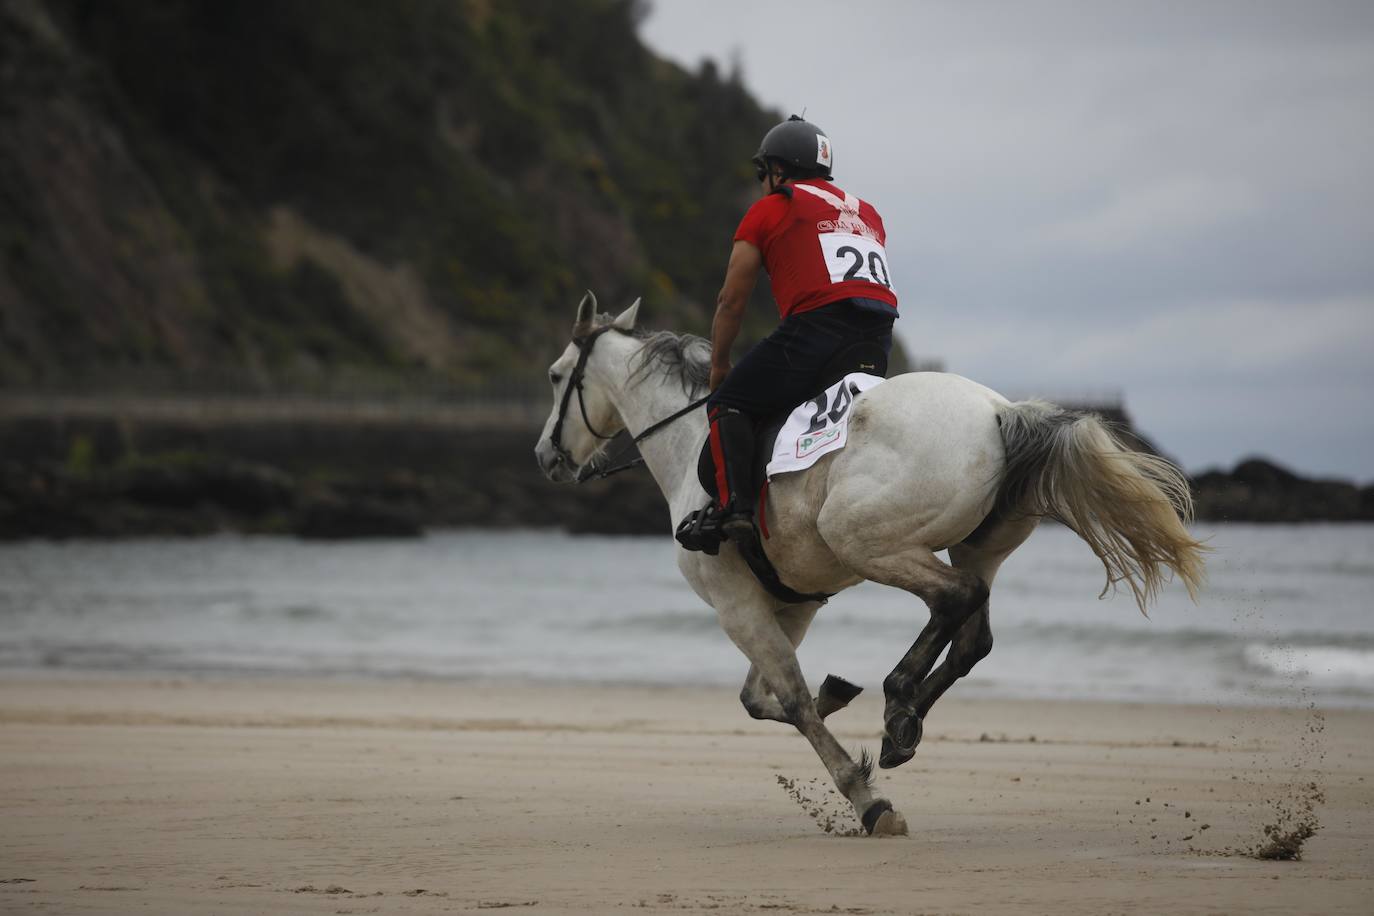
x: 321, y: 796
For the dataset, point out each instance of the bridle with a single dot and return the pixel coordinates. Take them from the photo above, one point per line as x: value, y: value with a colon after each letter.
x: 584, y: 346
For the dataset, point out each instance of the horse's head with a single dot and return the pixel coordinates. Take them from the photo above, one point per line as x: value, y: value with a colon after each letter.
x: 583, y: 418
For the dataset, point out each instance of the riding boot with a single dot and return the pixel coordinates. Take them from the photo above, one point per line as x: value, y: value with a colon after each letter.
x: 732, y: 447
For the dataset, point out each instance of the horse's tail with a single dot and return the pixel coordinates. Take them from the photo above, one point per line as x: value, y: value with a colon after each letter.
x: 1131, y: 507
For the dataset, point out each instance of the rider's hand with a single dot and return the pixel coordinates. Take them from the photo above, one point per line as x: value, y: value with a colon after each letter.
x: 718, y: 374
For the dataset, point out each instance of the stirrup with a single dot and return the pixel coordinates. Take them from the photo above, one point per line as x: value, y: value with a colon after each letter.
x: 701, y: 530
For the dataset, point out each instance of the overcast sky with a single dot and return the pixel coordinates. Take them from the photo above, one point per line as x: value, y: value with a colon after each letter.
x: 1170, y: 200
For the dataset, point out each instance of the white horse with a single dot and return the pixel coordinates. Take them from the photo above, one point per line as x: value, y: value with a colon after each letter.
x: 933, y: 462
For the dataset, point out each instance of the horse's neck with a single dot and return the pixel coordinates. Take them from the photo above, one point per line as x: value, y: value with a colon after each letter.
x: 671, y: 450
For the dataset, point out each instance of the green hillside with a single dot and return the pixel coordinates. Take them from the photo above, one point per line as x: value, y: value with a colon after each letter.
x: 291, y: 189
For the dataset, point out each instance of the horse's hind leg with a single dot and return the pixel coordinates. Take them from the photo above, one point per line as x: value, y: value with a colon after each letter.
x: 952, y: 596
x: 969, y: 646
x: 754, y: 627
x: 973, y: 642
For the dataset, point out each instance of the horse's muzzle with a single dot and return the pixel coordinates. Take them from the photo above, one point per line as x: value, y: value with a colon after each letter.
x: 553, y: 465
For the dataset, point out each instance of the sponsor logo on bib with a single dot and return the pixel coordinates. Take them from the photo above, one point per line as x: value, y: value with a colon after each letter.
x: 847, y: 220
x: 809, y: 442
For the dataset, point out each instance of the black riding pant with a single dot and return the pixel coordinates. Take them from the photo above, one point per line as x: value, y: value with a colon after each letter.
x: 784, y: 368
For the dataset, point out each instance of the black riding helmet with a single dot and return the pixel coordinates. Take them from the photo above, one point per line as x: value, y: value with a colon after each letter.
x: 800, y: 144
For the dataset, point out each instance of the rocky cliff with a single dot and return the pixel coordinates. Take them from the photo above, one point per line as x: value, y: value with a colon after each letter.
x: 285, y: 190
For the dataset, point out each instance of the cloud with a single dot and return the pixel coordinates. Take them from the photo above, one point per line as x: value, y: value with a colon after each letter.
x: 1318, y: 427
x: 1233, y: 339
x: 1158, y: 210
x: 1212, y: 381
x: 1245, y: 340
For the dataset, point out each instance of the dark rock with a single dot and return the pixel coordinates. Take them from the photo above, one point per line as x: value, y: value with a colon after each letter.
x: 336, y: 519
x: 182, y: 482
x: 388, y: 485
x: 248, y: 489
x: 1261, y: 491
x: 330, y: 481
x: 158, y: 485
x: 1256, y: 472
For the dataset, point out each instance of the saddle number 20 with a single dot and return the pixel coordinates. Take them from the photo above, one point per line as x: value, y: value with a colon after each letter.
x: 823, y: 417
x: 855, y: 257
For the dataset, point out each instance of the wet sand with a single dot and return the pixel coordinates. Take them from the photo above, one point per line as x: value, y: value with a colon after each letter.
x: 317, y: 796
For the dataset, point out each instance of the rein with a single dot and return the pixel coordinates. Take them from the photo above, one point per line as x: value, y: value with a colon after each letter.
x: 584, y: 346
x: 583, y: 476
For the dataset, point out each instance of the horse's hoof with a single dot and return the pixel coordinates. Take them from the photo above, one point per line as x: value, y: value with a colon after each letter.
x: 891, y: 756
x: 899, y: 745
x: 891, y: 823
x: 881, y: 820
x: 908, y: 733
x: 835, y: 694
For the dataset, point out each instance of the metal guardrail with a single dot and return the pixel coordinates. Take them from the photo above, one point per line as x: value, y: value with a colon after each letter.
x: 337, y: 385
x: 232, y: 395
x: 471, y: 412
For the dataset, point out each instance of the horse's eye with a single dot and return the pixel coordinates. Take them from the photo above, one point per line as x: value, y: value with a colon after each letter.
x: 555, y: 377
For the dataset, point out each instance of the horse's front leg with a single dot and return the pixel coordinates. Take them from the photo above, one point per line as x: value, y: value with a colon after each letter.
x: 754, y: 627
x: 835, y: 694
x: 757, y: 697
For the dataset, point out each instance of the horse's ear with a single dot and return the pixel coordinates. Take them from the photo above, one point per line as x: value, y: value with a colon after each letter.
x: 625, y: 321
x: 586, y: 310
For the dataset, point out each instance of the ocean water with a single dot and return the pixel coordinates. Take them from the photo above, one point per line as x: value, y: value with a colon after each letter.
x: 1286, y: 616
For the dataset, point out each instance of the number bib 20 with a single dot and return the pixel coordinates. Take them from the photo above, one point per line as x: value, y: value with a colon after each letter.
x: 855, y: 257
x: 819, y: 426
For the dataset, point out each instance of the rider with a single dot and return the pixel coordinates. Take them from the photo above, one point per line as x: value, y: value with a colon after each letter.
x: 823, y: 250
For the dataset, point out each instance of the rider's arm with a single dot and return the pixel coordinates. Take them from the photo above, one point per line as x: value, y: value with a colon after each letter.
x: 740, y: 277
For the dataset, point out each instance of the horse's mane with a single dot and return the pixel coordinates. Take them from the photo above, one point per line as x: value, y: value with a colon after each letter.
x: 684, y: 357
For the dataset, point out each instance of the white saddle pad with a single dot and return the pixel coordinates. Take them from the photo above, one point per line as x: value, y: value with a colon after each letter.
x: 819, y: 426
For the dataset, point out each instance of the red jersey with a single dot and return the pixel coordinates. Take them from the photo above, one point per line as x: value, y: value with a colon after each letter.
x: 820, y: 244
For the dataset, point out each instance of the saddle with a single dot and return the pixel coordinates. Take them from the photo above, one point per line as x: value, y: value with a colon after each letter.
x: 701, y: 531
x: 860, y: 357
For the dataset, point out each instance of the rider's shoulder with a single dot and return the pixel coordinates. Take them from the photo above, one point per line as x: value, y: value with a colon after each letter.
x: 772, y: 205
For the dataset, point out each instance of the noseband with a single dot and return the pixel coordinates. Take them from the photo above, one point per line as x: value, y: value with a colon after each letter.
x: 584, y: 346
